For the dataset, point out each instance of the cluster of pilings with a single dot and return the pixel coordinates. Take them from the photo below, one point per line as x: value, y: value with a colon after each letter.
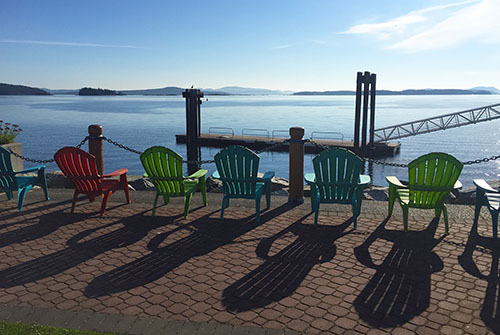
x: 365, y: 95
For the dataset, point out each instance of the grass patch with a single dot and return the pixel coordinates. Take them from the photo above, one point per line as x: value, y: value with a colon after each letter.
x: 16, y: 328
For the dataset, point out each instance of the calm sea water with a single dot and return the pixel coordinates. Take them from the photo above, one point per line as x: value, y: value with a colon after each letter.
x: 51, y: 122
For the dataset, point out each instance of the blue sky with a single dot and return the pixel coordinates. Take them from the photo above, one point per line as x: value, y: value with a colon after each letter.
x: 288, y: 45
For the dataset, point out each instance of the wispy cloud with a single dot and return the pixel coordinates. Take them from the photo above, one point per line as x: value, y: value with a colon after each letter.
x: 438, y: 26
x: 285, y: 46
x: 72, y: 44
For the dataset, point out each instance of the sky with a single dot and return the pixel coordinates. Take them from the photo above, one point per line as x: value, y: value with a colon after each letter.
x: 276, y: 44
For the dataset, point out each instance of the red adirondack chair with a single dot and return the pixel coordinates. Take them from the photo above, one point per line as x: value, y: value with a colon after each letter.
x: 81, y: 168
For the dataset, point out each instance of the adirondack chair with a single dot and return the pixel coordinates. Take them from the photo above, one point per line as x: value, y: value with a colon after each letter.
x: 337, y: 179
x: 237, y: 168
x: 80, y: 167
x: 488, y: 196
x: 9, y: 181
x: 431, y: 179
x: 164, y: 167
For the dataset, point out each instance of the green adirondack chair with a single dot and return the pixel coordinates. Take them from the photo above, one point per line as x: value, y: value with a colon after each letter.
x: 164, y: 167
x: 237, y: 168
x: 337, y: 179
x: 431, y: 179
x: 488, y: 196
x: 9, y: 181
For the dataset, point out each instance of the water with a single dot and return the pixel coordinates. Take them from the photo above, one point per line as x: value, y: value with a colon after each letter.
x: 51, y: 122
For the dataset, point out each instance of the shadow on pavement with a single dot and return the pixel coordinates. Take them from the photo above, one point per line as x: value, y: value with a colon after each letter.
x: 207, y: 234
x: 400, y: 288
x: 133, y: 229
x: 490, y: 312
x: 281, y: 274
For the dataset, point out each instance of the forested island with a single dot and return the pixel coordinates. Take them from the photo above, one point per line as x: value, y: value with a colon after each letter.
x: 8, y: 89
x: 97, y: 91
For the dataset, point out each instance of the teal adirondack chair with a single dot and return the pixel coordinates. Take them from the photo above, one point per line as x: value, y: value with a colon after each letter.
x: 489, y: 197
x: 9, y: 181
x: 164, y: 167
x: 337, y: 179
x: 237, y: 168
x: 431, y: 179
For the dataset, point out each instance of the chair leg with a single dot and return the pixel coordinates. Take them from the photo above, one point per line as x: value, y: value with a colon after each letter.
x: 224, y: 200
x: 445, y: 216
x: 477, y: 207
x: 355, y: 214
x: 405, y: 217
x: 392, y: 199
x: 268, y: 195
x: 9, y: 195
x: 316, y: 212
x: 124, y: 182
x: 187, y: 201
x: 154, y: 203
x: 494, y: 222
x: 43, y: 183
x: 21, y: 193
x: 257, y: 209
x: 74, y: 201
x: 313, y: 197
x: 104, y: 201
x: 203, y: 186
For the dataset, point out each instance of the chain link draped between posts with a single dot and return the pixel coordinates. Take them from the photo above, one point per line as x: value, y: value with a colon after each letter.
x: 268, y: 148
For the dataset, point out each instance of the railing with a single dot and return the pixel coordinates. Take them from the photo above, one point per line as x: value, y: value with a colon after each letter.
x: 220, y: 128
x: 441, y: 122
x: 258, y: 130
x: 280, y: 131
x: 328, y: 133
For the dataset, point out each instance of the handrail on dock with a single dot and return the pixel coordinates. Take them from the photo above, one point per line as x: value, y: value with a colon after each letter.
x: 328, y: 132
x: 279, y: 131
x: 254, y: 130
x: 221, y: 128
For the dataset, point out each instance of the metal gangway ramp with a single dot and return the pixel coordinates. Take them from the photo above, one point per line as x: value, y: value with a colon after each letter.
x: 436, y: 123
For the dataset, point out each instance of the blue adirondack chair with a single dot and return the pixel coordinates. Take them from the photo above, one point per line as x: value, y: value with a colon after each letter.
x: 337, y: 179
x: 488, y: 196
x: 10, y: 182
x: 237, y: 168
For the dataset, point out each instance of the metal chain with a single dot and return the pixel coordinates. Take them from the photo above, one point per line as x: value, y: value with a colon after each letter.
x: 119, y: 145
x: 484, y: 160
x: 272, y: 147
x: 43, y: 161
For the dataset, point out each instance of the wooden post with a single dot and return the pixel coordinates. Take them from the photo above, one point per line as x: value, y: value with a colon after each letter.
x: 364, y: 127
x: 357, y: 111
x: 373, y: 92
x: 96, y: 147
x: 193, y: 127
x: 296, y: 171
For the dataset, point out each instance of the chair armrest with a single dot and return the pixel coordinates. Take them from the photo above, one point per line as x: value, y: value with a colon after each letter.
x: 32, y: 169
x: 310, y: 178
x: 267, y: 176
x: 216, y: 175
x: 458, y: 185
x: 198, y: 174
x: 115, y: 173
x: 393, y: 180
x: 364, y: 180
x: 483, y: 185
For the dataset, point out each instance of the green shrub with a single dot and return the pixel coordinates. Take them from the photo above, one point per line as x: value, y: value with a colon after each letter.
x: 8, y: 132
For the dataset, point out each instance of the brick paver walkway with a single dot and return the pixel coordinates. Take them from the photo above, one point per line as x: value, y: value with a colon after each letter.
x: 282, y: 273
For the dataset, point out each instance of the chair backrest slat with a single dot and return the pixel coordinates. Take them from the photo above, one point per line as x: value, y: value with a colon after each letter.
x: 164, y: 167
x: 238, y: 168
x: 337, y: 172
x: 80, y: 167
x: 8, y: 181
x: 431, y: 178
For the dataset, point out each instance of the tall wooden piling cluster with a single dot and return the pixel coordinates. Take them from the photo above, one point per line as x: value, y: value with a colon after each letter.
x: 365, y: 94
x: 193, y: 127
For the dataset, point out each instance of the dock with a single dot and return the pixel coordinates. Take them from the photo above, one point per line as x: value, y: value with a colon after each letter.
x: 213, y: 140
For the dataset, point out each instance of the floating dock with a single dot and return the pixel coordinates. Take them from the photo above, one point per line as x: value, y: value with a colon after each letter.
x: 261, y: 142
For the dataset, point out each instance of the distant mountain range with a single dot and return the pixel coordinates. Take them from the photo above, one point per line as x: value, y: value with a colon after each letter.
x: 7, y: 89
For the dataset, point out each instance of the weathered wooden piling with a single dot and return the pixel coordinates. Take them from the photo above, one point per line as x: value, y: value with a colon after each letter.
x: 296, y: 163
x: 96, y: 146
x: 193, y: 127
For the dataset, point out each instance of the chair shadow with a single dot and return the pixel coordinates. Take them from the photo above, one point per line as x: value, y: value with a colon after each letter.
x: 78, y: 252
x: 490, y: 311
x: 28, y: 210
x: 207, y: 234
x: 400, y: 288
x: 282, y: 273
